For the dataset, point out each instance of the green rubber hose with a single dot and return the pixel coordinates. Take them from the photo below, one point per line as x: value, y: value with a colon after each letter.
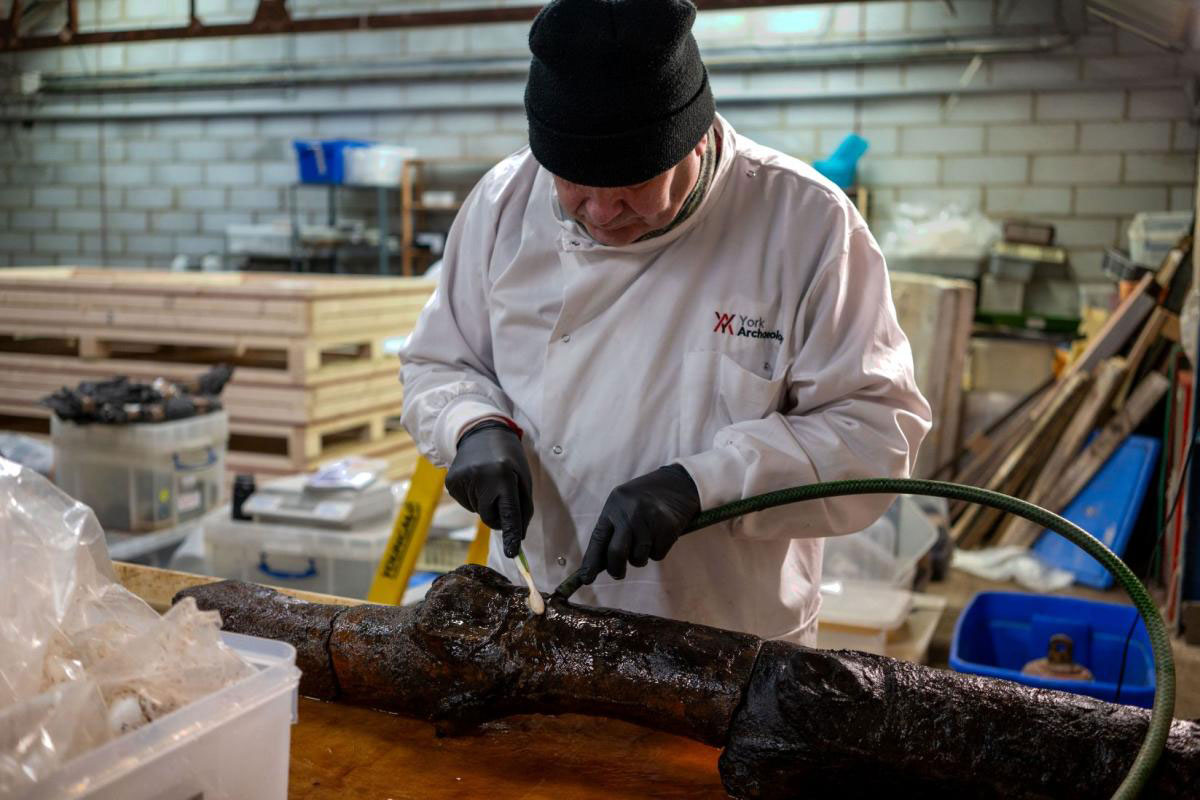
x: 1164, y: 662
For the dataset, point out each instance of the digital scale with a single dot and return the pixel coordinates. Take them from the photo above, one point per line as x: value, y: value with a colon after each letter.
x: 293, y: 500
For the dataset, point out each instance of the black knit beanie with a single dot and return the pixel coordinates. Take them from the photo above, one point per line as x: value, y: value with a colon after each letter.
x: 617, y: 93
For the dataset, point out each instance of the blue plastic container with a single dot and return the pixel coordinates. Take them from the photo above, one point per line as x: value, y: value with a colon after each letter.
x: 998, y: 633
x: 1107, y: 508
x: 323, y: 160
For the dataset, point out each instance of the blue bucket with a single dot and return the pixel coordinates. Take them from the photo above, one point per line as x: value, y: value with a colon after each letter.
x: 324, y: 160
x: 998, y: 633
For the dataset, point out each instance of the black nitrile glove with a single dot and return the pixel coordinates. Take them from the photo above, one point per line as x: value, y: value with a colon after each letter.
x: 490, y: 477
x: 641, y: 520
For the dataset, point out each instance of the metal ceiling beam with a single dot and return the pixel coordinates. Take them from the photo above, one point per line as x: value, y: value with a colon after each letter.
x: 272, y: 17
x: 718, y: 60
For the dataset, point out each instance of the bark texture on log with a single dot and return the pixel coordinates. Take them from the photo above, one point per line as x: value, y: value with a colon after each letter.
x: 792, y: 720
x: 472, y: 651
x: 259, y: 611
x: 857, y: 725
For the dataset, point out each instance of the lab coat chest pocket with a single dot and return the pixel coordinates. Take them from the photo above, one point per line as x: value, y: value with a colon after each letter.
x: 717, y: 392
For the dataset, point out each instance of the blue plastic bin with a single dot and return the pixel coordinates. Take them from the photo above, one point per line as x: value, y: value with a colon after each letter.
x: 1107, y: 508
x: 323, y: 160
x: 998, y: 633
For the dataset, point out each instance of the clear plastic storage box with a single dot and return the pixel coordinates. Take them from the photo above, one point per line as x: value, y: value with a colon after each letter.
x: 859, y: 615
x: 294, y: 556
x: 145, y: 476
x: 867, y: 577
x: 231, y: 745
x: 886, y: 553
x: 1152, y: 234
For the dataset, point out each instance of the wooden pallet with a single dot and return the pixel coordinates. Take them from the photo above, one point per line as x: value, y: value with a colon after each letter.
x: 313, y: 379
x: 400, y: 455
x: 270, y: 446
x: 277, y: 329
x: 310, y: 306
x: 261, y: 359
x: 25, y: 379
x: 302, y: 447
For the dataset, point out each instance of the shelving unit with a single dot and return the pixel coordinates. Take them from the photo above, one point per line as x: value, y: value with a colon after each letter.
x: 335, y: 251
x: 411, y: 188
x: 414, y: 217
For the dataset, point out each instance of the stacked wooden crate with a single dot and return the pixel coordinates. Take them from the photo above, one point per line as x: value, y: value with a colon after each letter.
x: 936, y: 314
x: 313, y: 380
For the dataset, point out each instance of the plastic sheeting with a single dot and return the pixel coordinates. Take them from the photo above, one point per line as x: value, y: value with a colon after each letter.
x: 82, y: 659
x: 950, y: 231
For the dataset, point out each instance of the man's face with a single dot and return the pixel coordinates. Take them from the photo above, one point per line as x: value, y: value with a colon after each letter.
x: 621, y: 215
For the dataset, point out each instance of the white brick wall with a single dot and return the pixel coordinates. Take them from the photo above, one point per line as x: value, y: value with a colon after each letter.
x: 1183, y: 198
x: 1077, y: 169
x: 1124, y: 136
x: 990, y: 170
x: 1026, y: 201
x: 1160, y: 168
x: 943, y: 139
x: 1043, y: 137
x: 1080, y: 105
x: 55, y: 196
x: 1120, y: 200
x: 1034, y: 144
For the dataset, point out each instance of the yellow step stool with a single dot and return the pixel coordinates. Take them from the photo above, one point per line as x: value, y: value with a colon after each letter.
x: 409, y: 533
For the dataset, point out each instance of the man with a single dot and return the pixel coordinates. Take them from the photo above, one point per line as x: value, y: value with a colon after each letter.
x: 645, y: 314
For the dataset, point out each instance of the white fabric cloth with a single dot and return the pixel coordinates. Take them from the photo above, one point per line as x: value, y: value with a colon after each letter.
x: 755, y: 344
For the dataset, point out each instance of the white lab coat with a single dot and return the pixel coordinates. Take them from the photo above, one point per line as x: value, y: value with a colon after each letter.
x: 756, y: 344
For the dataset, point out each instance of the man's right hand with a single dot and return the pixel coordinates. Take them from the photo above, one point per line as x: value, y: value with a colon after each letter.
x: 490, y: 476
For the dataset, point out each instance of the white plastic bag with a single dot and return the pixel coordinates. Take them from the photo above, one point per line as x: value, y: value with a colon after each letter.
x: 951, y: 231
x: 1012, y: 563
x: 81, y: 658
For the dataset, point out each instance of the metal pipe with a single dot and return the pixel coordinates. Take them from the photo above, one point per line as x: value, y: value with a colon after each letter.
x: 717, y: 59
x: 223, y: 108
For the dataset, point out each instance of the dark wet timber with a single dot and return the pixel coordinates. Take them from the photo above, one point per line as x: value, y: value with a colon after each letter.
x: 793, y: 721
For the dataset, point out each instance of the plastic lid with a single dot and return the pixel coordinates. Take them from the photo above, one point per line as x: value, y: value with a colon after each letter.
x: 860, y: 604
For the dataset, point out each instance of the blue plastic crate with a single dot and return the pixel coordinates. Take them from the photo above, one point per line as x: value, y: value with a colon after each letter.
x: 998, y: 633
x: 1107, y: 508
x: 324, y: 160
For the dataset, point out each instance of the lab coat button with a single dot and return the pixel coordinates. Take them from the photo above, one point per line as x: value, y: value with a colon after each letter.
x: 557, y: 450
x: 574, y: 243
x: 566, y: 338
x: 562, y: 561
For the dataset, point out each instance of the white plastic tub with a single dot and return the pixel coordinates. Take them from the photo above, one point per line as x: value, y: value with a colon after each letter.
x: 859, y: 616
x: 146, y: 476
x: 295, y: 557
x: 377, y: 164
x: 231, y: 745
x: 1152, y: 234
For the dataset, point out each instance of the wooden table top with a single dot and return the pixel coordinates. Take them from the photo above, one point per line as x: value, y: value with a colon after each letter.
x: 354, y: 753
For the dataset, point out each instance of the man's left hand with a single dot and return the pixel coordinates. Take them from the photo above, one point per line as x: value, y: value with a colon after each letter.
x: 640, y: 521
